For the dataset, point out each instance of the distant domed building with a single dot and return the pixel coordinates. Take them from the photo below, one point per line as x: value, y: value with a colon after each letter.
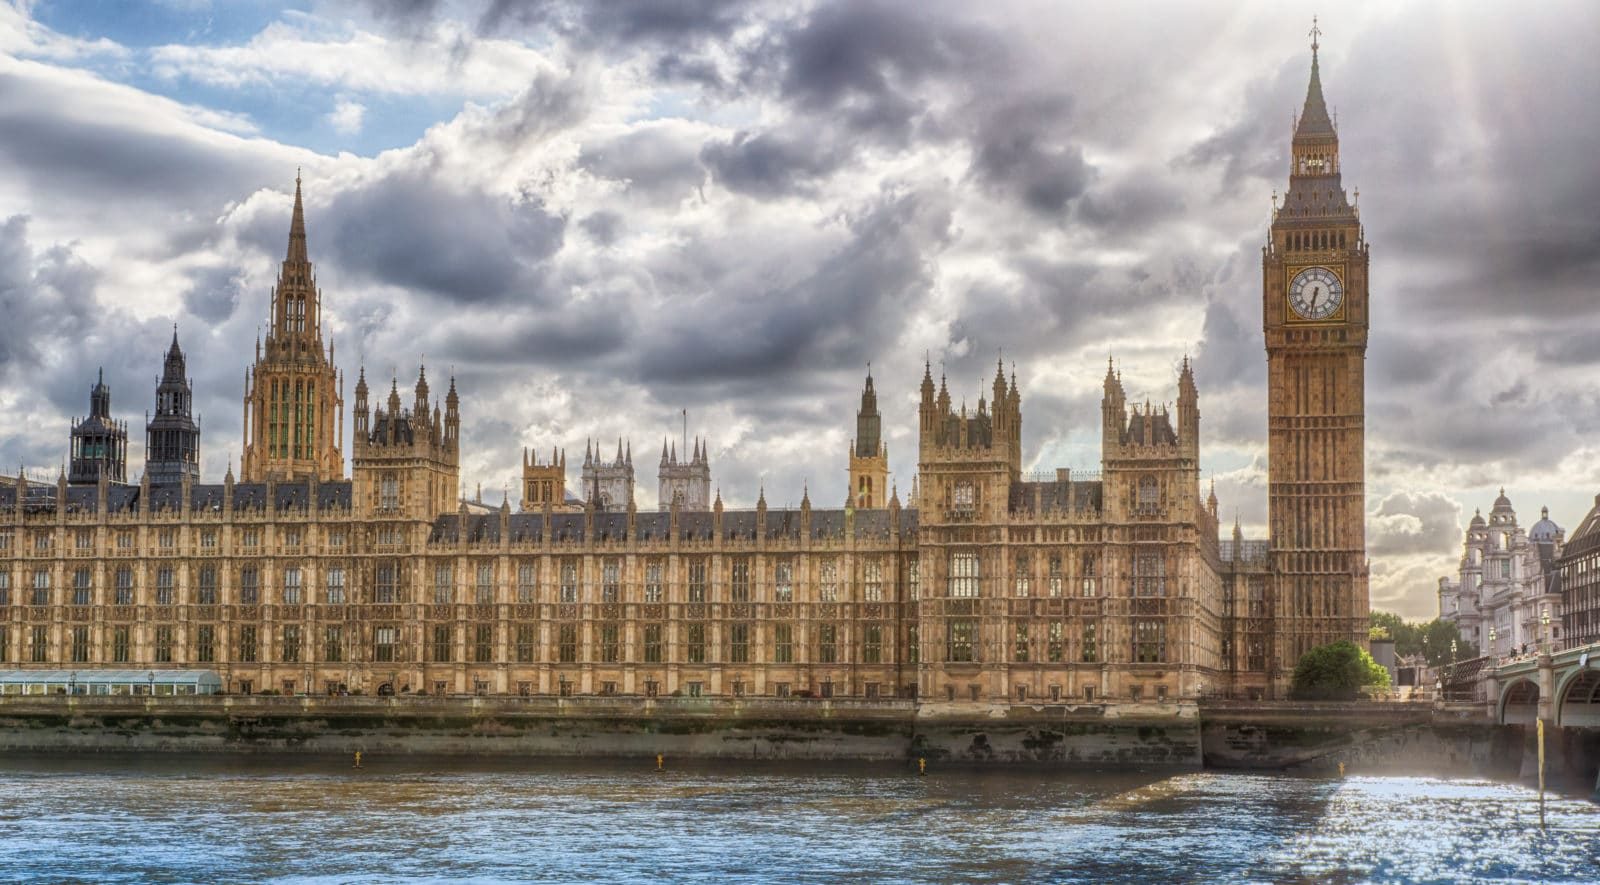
x: 1507, y: 582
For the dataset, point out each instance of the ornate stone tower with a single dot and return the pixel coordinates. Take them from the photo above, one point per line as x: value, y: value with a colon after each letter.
x: 609, y: 485
x: 544, y: 484
x: 687, y: 481
x: 1314, y: 317
x: 99, y: 444
x: 172, y: 437
x: 294, y: 398
x: 407, y: 464
x: 869, y: 457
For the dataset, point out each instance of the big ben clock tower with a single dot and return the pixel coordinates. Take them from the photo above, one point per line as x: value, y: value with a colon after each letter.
x: 1314, y: 317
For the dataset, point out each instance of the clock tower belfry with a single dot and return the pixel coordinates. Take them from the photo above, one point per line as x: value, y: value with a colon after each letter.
x: 1314, y: 318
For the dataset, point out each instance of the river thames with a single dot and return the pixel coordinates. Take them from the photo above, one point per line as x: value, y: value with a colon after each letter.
x: 166, y: 819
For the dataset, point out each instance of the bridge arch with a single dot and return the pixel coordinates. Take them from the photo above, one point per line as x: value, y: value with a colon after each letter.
x: 1519, y: 702
x: 1577, y: 699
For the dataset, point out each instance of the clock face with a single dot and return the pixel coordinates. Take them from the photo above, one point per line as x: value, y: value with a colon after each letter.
x: 1316, y: 293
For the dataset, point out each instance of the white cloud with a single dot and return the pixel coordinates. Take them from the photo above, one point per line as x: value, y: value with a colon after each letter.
x: 347, y: 116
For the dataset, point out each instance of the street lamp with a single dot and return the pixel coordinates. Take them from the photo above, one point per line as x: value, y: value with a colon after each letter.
x: 152, y: 681
x: 1491, y: 640
x: 72, y: 682
x: 1545, y: 620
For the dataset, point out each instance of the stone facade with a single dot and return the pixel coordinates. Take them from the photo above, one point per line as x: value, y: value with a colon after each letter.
x: 993, y: 586
x: 1507, y: 583
x: 1578, y: 580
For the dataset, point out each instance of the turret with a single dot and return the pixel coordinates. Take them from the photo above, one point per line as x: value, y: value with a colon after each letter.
x: 363, y: 416
x: 1188, y: 410
x: 452, y: 416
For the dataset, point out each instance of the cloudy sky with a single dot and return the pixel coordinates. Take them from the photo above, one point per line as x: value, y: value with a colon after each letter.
x: 597, y: 215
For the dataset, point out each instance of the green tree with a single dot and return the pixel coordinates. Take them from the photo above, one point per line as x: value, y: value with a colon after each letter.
x: 1338, y: 670
x: 1428, y: 638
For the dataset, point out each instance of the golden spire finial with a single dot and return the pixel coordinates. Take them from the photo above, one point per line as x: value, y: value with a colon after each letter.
x: 1316, y: 32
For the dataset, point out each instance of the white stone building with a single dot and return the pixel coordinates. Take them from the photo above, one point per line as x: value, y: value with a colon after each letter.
x: 1506, y: 585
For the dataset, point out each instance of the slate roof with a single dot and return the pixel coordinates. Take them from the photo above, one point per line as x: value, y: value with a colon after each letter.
x: 169, y: 497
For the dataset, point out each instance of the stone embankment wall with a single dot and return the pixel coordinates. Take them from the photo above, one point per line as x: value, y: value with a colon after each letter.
x: 1388, y: 737
x: 1371, y: 738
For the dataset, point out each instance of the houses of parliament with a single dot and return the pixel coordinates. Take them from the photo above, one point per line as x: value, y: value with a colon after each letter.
x: 986, y: 584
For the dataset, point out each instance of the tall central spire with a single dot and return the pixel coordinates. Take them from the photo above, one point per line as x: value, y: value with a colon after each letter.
x: 297, y: 228
x: 1314, y: 121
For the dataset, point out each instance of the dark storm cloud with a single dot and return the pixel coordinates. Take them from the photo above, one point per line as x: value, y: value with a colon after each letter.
x: 769, y: 164
x: 579, y: 334
x: 603, y: 227
x: 656, y: 161
x: 819, y: 320
x: 622, y: 21
x: 412, y: 231
x: 46, y: 297
x: 1421, y: 522
x: 215, y: 293
x: 1250, y: 147
x: 1021, y: 149
x: 862, y: 63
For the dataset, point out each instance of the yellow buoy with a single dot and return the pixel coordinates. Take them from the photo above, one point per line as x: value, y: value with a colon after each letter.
x: 660, y: 761
x: 922, y: 766
x: 358, y: 759
x: 1341, y: 769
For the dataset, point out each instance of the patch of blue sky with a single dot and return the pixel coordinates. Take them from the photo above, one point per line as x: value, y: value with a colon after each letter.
x: 141, y: 25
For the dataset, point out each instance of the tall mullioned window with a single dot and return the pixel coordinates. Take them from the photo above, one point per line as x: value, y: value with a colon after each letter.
x: 483, y: 591
x: 783, y: 581
x: 293, y: 580
x: 163, y: 645
x: 383, y: 586
x: 872, y: 580
x: 567, y: 643
x: 333, y: 644
x: 41, y: 587
x: 827, y: 643
x: 386, y: 644
x: 960, y: 641
x: 611, y: 580
x: 1022, y: 647
x: 527, y: 583
x: 828, y: 580
x: 569, y: 581
x: 249, y: 644
x: 1022, y: 578
x: 782, y: 643
x: 1091, y: 574
x: 652, y: 644
x: 738, y: 643
x: 442, y: 640
x: 872, y: 644
x: 695, y: 643
x: 82, y: 591
x: 1055, y: 577
x: 207, y: 592
x: 527, y: 643
x: 249, y: 586
x: 739, y: 580
x: 335, y: 582
x: 697, y: 579
x: 291, y: 644
x: 1149, y: 574
x: 1091, y: 644
x: 443, y: 585
x: 964, y: 575
x: 1149, y: 641
x: 205, y: 644
x: 164, y: 585
x: 652, y: 581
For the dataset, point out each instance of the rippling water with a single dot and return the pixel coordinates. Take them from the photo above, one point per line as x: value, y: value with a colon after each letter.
x: 112, y: 819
